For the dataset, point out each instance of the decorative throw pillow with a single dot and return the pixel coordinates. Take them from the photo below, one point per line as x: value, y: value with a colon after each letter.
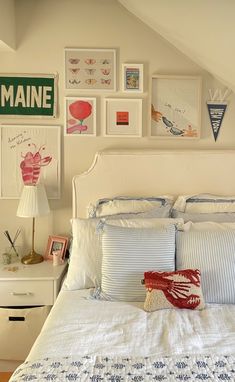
x: 179, y: 289
x: 127, y: 252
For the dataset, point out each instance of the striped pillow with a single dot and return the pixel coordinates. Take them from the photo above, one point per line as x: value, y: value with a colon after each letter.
x: 213, y: 252
x: 128, y: 253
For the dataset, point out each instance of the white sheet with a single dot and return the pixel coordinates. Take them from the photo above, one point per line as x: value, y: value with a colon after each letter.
x: 82, y: 326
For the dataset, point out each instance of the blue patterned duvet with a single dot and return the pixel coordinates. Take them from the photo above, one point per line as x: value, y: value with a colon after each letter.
x: 134, y: 369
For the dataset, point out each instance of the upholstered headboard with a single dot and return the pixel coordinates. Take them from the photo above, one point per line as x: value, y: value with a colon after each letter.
x: 149, y: 173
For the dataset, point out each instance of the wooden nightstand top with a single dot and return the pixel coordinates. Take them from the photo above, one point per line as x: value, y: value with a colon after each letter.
x: 42, y: 271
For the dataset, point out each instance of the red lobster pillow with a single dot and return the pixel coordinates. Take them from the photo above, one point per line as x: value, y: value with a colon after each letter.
x: 180, y: 289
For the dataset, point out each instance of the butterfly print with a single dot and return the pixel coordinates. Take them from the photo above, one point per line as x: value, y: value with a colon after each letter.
x: 90, y: 61
x: 105, y: 81
x: 74, y: 82
x: 105, y: 72
x: 105, y: 61
x: 74, y: 70
x: 74, y: 61
x: 91, y: 81
x: 90, y: 71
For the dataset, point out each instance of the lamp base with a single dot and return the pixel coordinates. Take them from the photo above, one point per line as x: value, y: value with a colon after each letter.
x: 32, y: 258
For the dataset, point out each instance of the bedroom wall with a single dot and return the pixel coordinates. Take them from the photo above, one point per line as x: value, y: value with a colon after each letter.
x: 43, y: 29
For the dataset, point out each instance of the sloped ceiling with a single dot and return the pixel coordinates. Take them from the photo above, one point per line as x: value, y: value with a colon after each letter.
x: 204, y: 30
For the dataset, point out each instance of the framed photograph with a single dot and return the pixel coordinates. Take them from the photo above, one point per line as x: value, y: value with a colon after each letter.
x: 123, y: 117
x: 80, y: 116
x: 132, y: 78
x: 29, y: 154
x: 176, y: 107
x: 56, y: 244
x: 90, y: 69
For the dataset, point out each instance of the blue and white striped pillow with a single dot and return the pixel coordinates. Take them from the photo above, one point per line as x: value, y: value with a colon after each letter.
x: 213, y: 252
x: 128, y: 253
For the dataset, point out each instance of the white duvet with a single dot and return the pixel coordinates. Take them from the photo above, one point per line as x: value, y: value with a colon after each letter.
x: 81, y: 326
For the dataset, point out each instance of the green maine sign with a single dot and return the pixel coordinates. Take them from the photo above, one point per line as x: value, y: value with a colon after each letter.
x: 33, y: 95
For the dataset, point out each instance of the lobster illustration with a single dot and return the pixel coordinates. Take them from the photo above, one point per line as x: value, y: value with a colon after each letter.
x: 177, y: 292
x: 31, y: 165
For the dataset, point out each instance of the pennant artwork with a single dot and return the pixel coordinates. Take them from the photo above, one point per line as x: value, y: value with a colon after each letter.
x: 216, y: 109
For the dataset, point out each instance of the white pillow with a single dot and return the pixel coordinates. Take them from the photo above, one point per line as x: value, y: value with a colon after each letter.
x: 204, y: 203
x: 128, y: 253
x: 213, y: 252
x: 86, y: 253
x: 207, y: 226
x: 131, y: 205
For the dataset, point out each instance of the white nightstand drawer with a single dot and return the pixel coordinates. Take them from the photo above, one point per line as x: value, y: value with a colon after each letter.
x: 23, y: 292
x: 18, y: 330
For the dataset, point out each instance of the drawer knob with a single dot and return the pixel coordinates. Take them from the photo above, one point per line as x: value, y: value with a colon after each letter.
x: 22, y: 294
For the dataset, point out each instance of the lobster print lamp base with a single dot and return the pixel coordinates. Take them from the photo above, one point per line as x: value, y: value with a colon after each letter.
x: 33, y: 203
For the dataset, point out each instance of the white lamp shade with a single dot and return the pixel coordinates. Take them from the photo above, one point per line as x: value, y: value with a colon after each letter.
x: 33, y: 202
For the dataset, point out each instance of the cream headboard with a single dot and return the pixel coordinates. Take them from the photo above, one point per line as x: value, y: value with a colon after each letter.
x: 149, y: 173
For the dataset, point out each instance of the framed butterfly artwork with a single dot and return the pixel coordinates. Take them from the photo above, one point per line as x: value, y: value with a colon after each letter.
x: 90, y: 69
x: 175, y: 108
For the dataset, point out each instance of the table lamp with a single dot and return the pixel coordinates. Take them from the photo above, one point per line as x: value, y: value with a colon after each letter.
x: 33, y: 202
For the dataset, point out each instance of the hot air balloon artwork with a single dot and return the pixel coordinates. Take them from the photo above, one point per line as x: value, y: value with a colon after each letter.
x: 80, y: 116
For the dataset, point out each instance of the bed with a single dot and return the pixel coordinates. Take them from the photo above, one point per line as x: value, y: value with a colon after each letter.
x: 98, y: 330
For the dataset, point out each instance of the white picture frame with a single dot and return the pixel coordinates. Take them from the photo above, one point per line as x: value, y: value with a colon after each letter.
x: 175, y: 109
x: 123, y: 117
x: 132, y: 78
x: 29, y: 154
x: 80, y: 116
x: 90, y: 69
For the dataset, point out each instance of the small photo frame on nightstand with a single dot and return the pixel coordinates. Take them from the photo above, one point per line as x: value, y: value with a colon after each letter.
x: 56, y: 244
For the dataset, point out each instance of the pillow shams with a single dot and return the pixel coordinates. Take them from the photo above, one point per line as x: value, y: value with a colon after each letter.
x: 207, y: 226
x: 128, y: 253
x: 86, y: 252
x: 132, y: 205
x: 204, y: 203
x: 213, y: 252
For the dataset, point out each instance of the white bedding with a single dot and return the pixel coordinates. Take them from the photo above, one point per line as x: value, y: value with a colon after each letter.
x: 80, y: 326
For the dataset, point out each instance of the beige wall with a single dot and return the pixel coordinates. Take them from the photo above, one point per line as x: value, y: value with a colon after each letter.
x: 44, y: 29
x: 7, y: 24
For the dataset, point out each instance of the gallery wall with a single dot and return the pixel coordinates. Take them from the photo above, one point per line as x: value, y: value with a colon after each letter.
x: 43, y: 29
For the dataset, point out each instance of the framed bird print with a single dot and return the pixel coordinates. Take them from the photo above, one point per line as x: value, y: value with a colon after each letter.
x: 175, y: 107
x: 90, y: 69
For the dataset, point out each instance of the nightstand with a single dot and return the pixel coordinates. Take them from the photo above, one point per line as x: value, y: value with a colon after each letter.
x: 27, y: 293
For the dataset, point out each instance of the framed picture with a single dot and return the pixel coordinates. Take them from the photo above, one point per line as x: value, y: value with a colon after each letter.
x: 90, y: 69
x: 176, y: 107
x: 132, y: 78
x: 80, y: 116
x: 123, y: 117
x: 29, y: 154
x: 28, y: 95
x: 56, y: 244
